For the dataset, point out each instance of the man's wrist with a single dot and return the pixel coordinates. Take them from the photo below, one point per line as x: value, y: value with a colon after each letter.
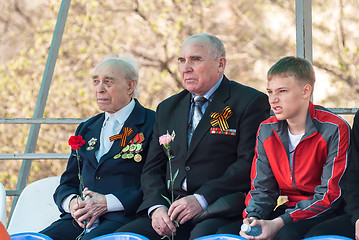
x: 65, y: 204
x: 71, y: 199
x: 152, y: 209
x: 278, y: 222
x: 202, y: 201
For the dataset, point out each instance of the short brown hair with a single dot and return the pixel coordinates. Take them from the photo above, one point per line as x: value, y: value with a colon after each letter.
x: 300, y: 68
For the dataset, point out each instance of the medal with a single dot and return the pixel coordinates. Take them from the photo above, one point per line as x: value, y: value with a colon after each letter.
x: 125, y: 149
x: 132, y: 147
x: 130, y: 155
x: 137, y: 158
x: 117, y: 156
x: 138, y: 147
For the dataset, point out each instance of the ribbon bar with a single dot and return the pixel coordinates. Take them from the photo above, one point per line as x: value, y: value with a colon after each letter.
x: 138, y: 138
x: 221, y: 119
x: 123, y: 136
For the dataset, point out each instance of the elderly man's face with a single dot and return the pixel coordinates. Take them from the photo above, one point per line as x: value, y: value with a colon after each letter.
x: 112, y: 90
x: 199, y: 71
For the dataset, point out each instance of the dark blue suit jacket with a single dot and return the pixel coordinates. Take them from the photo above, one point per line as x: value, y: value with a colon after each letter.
x: 118, y: 176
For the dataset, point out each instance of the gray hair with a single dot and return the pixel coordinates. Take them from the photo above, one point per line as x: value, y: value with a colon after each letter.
x: 129, y: 66
x: 216, y: 46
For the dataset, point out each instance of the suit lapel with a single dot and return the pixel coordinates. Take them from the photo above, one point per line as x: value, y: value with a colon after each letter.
x: 136, y: 118
x: 216, y: 105
x: 182, y: 122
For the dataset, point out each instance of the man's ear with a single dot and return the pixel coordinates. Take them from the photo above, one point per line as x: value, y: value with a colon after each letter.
x: 222, y: 64
x: 131, y: 87
x: 307, y: 90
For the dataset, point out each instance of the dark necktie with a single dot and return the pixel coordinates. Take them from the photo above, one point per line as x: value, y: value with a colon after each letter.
x: 197, y: 115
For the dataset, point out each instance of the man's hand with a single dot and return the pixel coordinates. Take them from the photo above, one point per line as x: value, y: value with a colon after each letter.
x: 270, y: 228
x: 73, y: 207
x: 90, y: 209
x: 184, y: 209
x: 357, y: 229
x: 161, y: 222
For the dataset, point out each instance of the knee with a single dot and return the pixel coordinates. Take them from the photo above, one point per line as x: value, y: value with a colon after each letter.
x: 288, y: 233
x: 199, y: 230
x: 231, y: 228
x: 126, y: 228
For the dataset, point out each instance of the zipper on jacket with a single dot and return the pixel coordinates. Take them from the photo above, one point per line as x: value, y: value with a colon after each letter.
x: 294, y: 184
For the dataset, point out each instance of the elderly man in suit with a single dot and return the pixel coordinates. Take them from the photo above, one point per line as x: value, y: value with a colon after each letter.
x: 213, y: 159
x: 111, y: 160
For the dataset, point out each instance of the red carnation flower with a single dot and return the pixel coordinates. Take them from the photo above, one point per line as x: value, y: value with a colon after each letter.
x: 76, y: 142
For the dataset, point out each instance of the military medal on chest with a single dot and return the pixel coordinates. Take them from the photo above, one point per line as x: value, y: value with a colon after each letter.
x: 132, y: 149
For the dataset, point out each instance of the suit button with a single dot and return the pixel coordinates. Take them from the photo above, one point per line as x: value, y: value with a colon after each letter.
x: 98, y: 177
x: 187, y: 168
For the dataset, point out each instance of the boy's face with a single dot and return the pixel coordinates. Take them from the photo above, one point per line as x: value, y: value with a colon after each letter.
x: 289, y: 98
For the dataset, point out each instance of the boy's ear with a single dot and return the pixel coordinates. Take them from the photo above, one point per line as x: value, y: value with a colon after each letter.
x: 307, y: 90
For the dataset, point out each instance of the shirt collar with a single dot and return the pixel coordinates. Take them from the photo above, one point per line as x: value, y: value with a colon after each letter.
x: 209, y: 93
x: 122, y: 114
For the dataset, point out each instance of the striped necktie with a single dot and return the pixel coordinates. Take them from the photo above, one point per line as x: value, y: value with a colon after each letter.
x: 197, y: 115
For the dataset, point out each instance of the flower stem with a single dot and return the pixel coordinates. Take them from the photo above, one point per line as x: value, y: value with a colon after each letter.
x: 171, y: 180
x: 171, y: 174
x: 82, y: 186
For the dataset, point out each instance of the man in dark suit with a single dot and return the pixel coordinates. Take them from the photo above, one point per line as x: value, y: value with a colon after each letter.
x: 213, y: 159
x: 110, y: 167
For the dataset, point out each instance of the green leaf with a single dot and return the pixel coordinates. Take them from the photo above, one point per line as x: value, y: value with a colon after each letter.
x: 166, y: 198
x: 174, y: 177
x: 165, y: 236
x: 168, y: 184
x: 176, y: 223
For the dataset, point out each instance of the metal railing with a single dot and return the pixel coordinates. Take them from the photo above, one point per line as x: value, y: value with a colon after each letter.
x: 304, y: 45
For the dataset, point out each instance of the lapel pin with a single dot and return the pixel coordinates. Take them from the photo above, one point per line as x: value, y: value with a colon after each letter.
x: 92, y: 142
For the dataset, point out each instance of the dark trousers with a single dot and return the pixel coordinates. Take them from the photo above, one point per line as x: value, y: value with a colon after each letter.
x: 68, y: 229
x: 186, y: 231
x: 292, y: 231
x: 340, y: 225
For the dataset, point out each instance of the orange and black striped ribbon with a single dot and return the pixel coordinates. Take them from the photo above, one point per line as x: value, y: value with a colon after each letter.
x: 221, y: 119
x: 123, y: 136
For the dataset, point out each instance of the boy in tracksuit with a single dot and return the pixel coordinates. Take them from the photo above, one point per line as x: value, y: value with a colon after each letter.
x: 301, y: 153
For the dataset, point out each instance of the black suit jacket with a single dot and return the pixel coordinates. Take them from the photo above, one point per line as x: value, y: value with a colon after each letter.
x: 120, y: 177
x: 350, y: 182
x: 214, y: 164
